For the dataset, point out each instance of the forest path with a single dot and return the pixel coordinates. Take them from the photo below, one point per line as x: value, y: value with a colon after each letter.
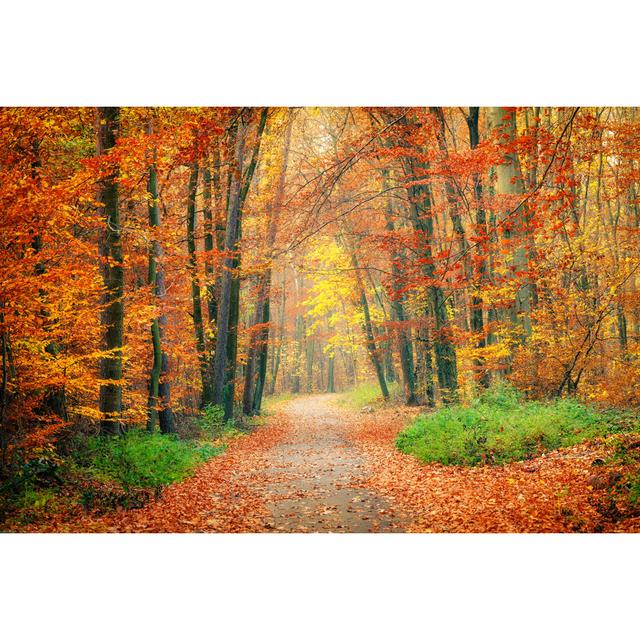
x: 316, y: 475
x: 313, y: 466
x: 300, y: 471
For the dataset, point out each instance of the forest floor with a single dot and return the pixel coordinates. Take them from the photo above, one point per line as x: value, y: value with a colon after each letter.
x: 314, y: 466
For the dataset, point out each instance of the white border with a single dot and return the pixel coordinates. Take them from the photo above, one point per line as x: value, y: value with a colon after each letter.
x: 334, y: 52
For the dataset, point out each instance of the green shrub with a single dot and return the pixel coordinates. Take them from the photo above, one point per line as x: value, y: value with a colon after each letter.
x: 139, y: 459
x: 500, y: 426
x: 212, y: 422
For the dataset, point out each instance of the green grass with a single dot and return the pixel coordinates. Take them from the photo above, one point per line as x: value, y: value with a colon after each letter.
x: 365, y: 394
x: 142, y: 460
x: 101, y: 473
x: 501, y: 426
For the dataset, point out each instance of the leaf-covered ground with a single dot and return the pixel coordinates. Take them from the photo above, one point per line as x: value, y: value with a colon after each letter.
x: 315, y: 466
x: 561, y: 491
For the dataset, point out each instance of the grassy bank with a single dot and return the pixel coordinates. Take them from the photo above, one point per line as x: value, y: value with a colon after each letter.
x: 101, y: 474
x: 501, y: 426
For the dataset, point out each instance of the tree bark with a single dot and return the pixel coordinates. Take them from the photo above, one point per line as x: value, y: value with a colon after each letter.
x: 159, y: 385
x: 234, y: 315
x: 112, y: 318
x: 196, y: 296
x: 477, y: 319
x: 398, y: 312
x: 514, y: 223
x: 226, y: 280
x: 209, y: 235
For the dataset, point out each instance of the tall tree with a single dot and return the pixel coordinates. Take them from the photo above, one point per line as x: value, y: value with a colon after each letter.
x: 230, y: 248
x: 196, y: 297
x: 159, y: 385
x: 397, y: 299
x: 113, y: 275
x: 477, y: 318
x: 514, y: 221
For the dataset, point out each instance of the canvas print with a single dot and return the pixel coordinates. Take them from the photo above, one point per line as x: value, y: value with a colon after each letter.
x: 347, y: 320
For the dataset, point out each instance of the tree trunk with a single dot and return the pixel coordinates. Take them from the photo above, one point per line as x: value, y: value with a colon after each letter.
x: 230, y: 247
x: 278, y: 347
x: 262, y: 358
x: 112, y: 319
x: 309, y: 355
x: 250, y: 367
x: 514, y: 222
x: 209, y: 235
x: 398, y: 312
x: 298, y: 336
x: 159, y: 385
x: 477, y: 321
x: 331, y: 386
x: 198, y: 326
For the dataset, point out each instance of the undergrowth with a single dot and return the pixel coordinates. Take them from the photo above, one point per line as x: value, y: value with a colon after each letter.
x: 103, y: 473
x: 140, y: 459
x: 500, y: 426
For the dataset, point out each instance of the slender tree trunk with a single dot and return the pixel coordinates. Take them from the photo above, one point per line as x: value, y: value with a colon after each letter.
x: 298, y: 336
x: 424, y: 355
x: 277, y: 348
x: 209, y: 235
x: 196, y: 297
x: 398, y: 311
x: 309, y: 357
x: 331, y: 386
x: 230, y: 247
x: 477, y: 320
x: 159, y: 385
x: 250, y: 366
x: 112, y: 319
x: 515, y: 222
x: 262, y: 357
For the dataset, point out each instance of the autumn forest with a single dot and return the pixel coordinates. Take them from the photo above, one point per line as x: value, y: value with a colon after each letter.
x: 419, y: 319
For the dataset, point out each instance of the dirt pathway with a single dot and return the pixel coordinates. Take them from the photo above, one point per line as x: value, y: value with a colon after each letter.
x: 317, y: 475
